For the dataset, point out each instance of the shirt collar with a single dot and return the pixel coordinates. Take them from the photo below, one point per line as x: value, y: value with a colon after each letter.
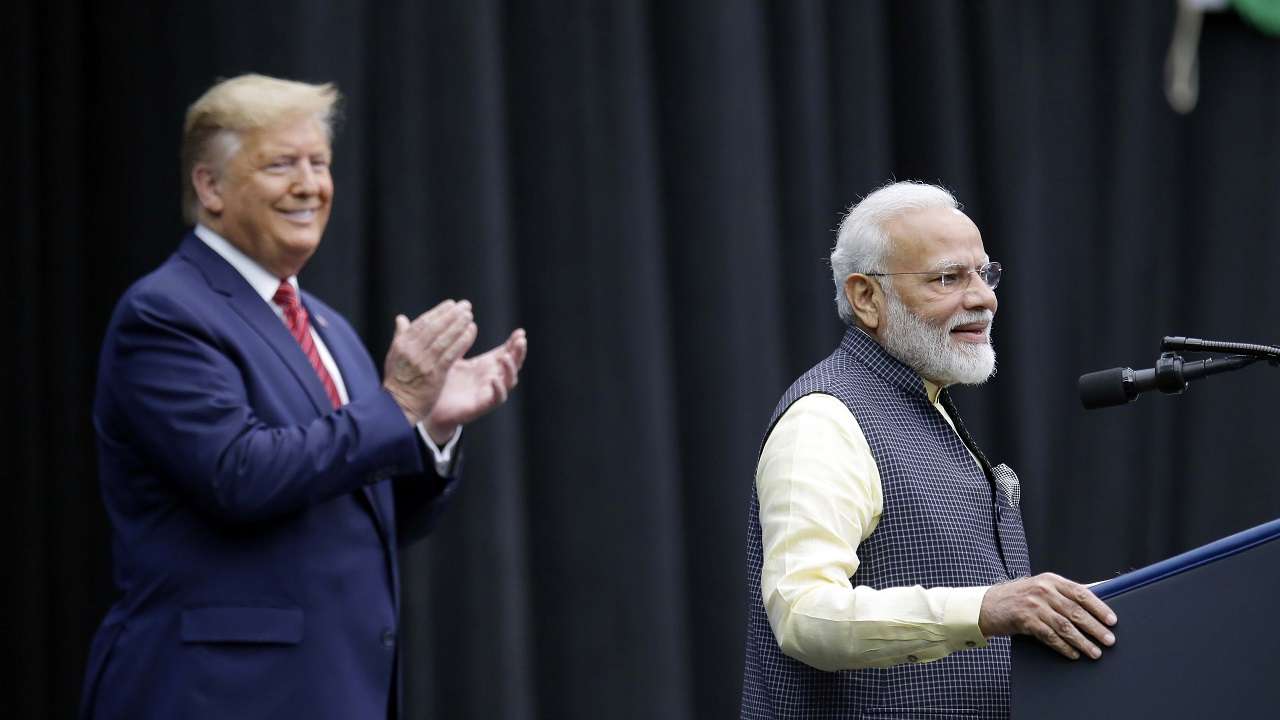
x: 259, y: 278
x: 931, y: 390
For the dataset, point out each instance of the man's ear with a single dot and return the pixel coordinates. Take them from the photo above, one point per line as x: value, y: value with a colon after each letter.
x: 205, y: 181
x: 867, y: 300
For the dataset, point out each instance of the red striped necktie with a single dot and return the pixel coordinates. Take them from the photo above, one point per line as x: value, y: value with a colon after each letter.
x: 295, y: 316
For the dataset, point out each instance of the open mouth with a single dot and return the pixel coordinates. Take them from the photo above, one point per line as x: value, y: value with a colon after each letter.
x: 975, y: 332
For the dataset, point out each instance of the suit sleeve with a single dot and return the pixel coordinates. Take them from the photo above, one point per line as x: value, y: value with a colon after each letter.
x: 177, y: 395
x: 421, y: 498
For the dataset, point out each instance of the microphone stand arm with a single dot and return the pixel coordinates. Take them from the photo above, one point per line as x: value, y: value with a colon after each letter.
x: 1172, y: 374
x: 1254, y: 350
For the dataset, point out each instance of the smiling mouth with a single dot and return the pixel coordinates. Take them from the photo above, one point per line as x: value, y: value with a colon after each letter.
x: 300, y: 216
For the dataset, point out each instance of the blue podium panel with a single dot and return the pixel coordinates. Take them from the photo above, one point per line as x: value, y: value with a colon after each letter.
x: 1195, y: 640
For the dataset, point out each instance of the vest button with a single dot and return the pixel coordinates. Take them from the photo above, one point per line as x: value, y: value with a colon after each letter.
x: 388, y: 638
x: 913, y: 658
x: 970, y: 643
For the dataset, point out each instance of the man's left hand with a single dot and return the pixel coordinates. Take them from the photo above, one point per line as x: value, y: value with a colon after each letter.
x: 1062, y: 614
x: 477, y: 385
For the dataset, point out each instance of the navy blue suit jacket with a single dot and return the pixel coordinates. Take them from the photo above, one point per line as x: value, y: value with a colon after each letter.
x: 254, y: 527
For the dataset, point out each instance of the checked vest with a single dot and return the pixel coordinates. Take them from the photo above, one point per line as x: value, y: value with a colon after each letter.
x: 946, y: 522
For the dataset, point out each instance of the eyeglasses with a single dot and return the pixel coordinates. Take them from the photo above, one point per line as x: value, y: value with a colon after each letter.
x: 950, y: 278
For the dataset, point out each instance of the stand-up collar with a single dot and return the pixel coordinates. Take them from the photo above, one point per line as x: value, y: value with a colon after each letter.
x: 864, y: 348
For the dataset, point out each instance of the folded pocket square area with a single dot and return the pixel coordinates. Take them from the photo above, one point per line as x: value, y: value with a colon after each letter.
x: 1007, y: 480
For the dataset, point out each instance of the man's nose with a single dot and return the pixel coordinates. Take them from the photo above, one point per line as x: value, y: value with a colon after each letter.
x: 979, y: 295
x: 305, y: 182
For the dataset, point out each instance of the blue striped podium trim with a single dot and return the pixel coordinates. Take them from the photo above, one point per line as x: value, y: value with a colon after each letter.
x: 1216, y: 550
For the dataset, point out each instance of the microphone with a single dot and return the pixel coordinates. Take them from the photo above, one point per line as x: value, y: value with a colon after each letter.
x: 1171, y: 375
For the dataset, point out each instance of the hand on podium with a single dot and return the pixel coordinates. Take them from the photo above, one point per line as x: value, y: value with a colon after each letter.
x: 1064, y: 615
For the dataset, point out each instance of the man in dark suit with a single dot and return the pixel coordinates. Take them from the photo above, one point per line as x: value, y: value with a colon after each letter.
x: 257, y: 473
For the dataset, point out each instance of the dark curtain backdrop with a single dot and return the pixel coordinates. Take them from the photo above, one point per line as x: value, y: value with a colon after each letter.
x: 650, y: 189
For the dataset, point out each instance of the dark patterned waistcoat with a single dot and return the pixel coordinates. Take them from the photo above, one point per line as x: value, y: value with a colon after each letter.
x: 946, y: 522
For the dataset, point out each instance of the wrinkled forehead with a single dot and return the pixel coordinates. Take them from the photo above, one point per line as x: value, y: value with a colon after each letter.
x: 933, y: 238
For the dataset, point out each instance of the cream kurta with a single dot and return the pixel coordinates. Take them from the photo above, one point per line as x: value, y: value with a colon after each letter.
x: 820, y: 497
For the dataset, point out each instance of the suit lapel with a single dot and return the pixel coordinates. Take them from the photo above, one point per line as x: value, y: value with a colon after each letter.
x: 249, y: 305
x: 355, y: 385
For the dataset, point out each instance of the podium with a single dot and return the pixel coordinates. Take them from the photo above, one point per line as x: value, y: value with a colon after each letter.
x: 1196, y: 638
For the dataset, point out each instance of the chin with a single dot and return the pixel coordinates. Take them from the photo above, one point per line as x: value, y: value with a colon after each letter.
x: 299, y: 240
x: 308, y: 242
x: 294, y: 252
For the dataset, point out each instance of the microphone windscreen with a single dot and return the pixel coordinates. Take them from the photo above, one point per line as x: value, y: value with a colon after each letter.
x: 1103, y: 388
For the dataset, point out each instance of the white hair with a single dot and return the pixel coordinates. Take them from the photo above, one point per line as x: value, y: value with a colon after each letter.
x: 862, y: 244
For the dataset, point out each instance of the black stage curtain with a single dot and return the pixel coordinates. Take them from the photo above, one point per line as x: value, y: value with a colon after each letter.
x: 650, y: 189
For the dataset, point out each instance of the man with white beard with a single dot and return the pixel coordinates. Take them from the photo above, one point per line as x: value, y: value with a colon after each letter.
x: 887, y: 561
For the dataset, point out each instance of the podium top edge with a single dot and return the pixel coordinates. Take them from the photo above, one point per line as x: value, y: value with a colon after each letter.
x: 1211, y: 552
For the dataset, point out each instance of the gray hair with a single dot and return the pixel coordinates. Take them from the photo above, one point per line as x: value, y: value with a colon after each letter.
x: 862, y: 244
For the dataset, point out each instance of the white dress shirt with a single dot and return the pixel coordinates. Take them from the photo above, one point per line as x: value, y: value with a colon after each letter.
x: 265, y: 284
x: 820, y: 496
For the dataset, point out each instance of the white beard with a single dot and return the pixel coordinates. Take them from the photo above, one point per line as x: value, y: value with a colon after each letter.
x: 929, y: 349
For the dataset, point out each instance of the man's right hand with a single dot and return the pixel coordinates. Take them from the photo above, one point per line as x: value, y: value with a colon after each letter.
x: 421, y: 354
x: 1064, y: 615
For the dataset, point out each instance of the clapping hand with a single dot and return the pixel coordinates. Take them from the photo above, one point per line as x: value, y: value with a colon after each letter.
x: 431, y: 381
x: 477, y: 385
x: 422, y: 353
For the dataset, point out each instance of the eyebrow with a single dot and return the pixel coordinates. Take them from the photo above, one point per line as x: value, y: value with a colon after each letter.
x: 945, y: 263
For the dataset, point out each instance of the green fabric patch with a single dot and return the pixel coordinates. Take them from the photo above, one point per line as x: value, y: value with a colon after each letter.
x: 1264, y: 14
